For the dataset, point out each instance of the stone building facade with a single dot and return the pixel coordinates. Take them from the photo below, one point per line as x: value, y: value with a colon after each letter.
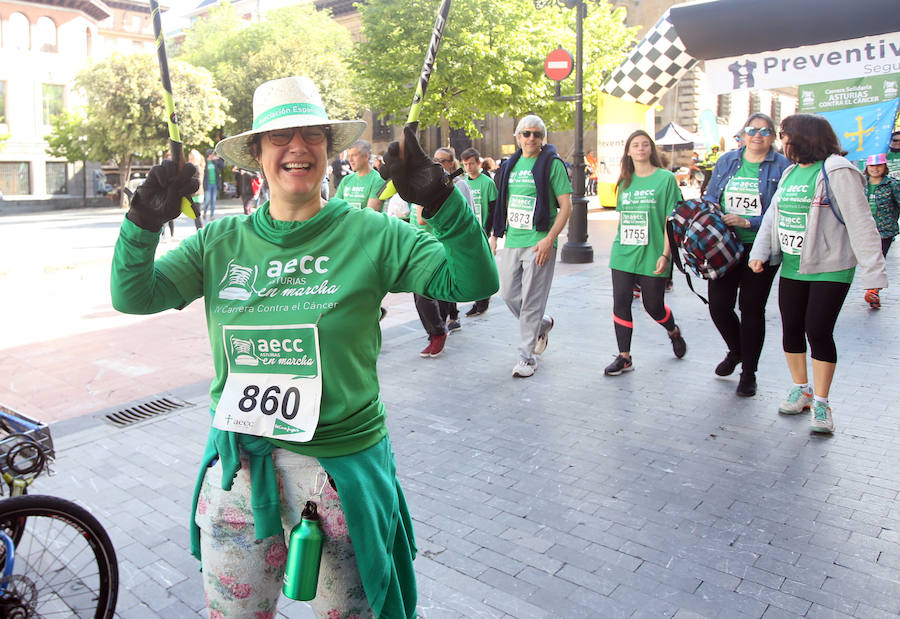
x: 43, y: 45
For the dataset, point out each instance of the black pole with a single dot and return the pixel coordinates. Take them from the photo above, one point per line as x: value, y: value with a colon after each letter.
x: 577, y: 250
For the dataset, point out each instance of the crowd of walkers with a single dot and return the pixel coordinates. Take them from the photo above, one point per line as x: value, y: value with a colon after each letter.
x: 805, y: 215
x: 808, y: 212
x: 293, y: 292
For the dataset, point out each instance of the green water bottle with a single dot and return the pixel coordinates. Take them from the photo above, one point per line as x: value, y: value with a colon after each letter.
x: 301, y: 573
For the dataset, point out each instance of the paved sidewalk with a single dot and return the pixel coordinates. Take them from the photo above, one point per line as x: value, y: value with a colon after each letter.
x: 658, y: 493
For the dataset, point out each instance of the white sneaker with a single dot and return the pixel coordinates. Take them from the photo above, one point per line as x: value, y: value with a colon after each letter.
x: 524, y: 369
x: 821, y: 419
x: 543, y: 339
x: 797, y: 402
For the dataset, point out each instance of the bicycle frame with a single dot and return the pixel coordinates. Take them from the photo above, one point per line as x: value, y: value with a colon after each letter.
x: 84, y: 579
x: 9, y: 562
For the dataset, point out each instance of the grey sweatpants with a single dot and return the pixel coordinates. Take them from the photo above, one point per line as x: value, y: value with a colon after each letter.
x: 525, y: 287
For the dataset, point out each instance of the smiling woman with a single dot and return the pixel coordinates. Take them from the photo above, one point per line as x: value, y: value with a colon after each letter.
x: 284, y: 426
x: 743, y: 183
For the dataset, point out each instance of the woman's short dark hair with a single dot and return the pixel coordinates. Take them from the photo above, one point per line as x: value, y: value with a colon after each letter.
x: 811, y: 138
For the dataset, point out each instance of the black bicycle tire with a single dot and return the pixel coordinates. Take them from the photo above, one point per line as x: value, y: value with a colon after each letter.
x: 95, y: 535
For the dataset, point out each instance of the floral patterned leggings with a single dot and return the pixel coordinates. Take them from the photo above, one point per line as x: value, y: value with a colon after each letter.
x: 242, y: 575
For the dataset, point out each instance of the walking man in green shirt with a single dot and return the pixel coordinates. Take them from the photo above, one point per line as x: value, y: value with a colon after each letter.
x: 362, y: 187
x: 484, y: 194
x: 534, y: 200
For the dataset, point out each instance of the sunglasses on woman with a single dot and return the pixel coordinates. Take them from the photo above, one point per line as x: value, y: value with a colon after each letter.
x: 764, y: 131
x: 311, y: 135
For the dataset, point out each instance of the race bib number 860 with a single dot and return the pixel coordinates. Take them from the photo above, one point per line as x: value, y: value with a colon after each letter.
x: 274, y: 384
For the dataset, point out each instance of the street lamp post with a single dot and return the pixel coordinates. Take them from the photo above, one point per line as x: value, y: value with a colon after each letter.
x: 576, y: 249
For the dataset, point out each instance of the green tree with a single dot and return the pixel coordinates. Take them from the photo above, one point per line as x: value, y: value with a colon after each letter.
x: 295, y: 40
x: 68, y: 139
x: 491, y: 60
x: 124, y: 115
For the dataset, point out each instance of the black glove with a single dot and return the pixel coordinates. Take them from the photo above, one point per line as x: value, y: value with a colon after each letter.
x: 416, y: 177
x: 158, y: 199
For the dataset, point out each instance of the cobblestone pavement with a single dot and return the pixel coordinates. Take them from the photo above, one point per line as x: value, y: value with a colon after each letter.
x: 657, y: 493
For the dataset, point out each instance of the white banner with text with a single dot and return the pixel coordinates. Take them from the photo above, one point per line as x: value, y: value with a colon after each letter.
x: 867, y: 56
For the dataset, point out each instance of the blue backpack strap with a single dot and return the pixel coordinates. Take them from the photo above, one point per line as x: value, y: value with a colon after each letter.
x: 830, y: 196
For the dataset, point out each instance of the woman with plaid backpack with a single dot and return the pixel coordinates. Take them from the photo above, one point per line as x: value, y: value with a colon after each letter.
x: 743, y: 183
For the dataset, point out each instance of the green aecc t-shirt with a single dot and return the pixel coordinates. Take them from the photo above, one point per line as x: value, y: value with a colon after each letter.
x: 795, y: 195
x: 484, y: 191
x: 741, y: 197
x: 522, y: 200
x: 265, y: 282
x: 643, y: 207
x: 357, y: 190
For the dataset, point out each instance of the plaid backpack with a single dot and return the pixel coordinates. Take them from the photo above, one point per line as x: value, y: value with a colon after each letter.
x: 707, y: 244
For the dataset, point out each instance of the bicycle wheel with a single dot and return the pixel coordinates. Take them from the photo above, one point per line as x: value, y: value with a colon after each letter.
x: 65, y: 564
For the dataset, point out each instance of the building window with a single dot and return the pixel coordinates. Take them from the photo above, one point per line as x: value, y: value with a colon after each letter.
x: 15, y: 178
x: 57, y: 177
x: 381, y: 131
x: 2, y: 103
x: 776, y: 110
x: 52, y: 101
x: 754, y: 102
x: 19, y: 31
x: 45, y: 35
x: 723, y: 107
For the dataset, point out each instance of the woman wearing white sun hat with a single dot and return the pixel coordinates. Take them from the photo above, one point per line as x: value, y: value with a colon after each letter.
x: 292, y: 296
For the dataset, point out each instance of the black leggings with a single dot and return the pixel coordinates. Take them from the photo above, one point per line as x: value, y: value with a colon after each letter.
x: 809, y: 311
x: 744, y: 336
x: 653, y: 291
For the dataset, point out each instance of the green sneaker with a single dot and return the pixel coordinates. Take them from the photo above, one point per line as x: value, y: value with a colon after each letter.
x: 797, y: 402
x: 821, y: 419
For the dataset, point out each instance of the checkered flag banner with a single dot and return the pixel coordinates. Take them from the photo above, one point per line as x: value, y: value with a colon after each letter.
x: 654, y: 66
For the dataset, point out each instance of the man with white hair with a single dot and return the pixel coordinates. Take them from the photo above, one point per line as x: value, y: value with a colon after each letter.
x: 534, y: 200
x: 362, y: 187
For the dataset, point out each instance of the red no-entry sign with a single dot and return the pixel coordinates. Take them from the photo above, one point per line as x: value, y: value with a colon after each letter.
x: 559, y: 64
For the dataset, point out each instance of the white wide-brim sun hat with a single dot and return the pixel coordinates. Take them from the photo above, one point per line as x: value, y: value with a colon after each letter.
x: 283, y: 104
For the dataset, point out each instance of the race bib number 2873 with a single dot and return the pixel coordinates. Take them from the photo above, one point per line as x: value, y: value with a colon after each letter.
x: 521, y: 212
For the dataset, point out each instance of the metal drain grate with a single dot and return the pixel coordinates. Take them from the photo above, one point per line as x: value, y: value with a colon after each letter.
x: 142, y: 411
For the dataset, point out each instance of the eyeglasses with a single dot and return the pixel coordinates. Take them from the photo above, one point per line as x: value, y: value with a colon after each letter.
x: 897, y: 139
x: 528, y: 134
x: 311, y: 135
x: 443, y: 161
x: 764, y: 131
x: 781, y: 135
